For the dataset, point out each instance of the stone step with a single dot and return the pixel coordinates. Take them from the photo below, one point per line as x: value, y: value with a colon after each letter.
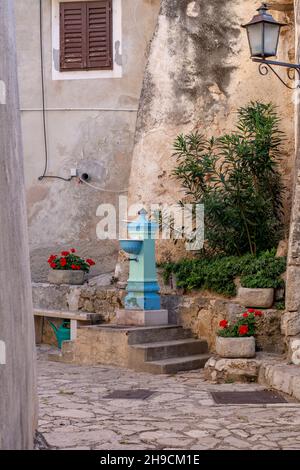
x: 177, y: 364
x: 157, y: 334
x: 169, y: 349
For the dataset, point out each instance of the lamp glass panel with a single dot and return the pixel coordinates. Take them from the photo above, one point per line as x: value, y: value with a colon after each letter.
x: 255, y: 36
x: 272, y: 32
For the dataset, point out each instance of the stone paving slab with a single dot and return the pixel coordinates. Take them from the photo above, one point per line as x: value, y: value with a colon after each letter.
x: 180, y: 415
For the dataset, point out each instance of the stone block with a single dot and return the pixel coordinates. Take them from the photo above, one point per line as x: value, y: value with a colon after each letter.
x: 142, y: 317
x: 290, y: 325
x: 235, y: 347
x: 237, y: 370
x: 295, y: 351
x: 257, y: 298
x: 292, y: 288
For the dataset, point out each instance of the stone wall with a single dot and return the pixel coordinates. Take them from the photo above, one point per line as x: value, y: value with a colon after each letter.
x: 200, y: 312
x: 203, y: 314
x: 291, y: 321
x: 90, y: 125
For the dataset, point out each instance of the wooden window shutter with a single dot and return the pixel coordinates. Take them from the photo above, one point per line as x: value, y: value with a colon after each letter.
x: 86, y: 35
x: 73, y: 46
x: 99, y: 34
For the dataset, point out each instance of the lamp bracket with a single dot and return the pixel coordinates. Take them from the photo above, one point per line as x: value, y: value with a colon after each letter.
x: 291, y: 70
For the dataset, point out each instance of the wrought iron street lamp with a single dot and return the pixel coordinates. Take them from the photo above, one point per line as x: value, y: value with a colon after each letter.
x: 263, y: 35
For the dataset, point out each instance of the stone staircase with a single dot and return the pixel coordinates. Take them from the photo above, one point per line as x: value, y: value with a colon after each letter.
x: 157, y: 350
x: 167, y: 350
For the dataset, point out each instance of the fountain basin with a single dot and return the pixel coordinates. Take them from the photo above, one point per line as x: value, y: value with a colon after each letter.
x: 132, y: 247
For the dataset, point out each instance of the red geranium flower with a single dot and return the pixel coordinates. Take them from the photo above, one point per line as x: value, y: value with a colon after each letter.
x: 73, y: 250
x: 223, y: 324
x: 245, y: 315
x: 65, y: 253
x: 63, y: 262
x: 53, y: 265
x: 251, y: 310
x: 90, y: 262
x: 51, y: 259
x: 74, y: 267
x: 243, y: 330
x: 258, y: 313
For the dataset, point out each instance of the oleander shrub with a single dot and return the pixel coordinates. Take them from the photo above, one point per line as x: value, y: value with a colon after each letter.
x: 236, y: 177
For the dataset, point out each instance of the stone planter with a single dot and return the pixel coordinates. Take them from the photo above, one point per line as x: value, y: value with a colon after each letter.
x: 256, y: 298
x: 66, y: 277
x: 235, y: 347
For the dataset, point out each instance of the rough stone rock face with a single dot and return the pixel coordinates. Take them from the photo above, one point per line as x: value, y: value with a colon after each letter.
x: 198, y: 73
x: 232, y: 370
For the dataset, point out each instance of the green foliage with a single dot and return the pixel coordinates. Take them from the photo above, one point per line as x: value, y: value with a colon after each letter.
x: 264, y: 272
x: 280, y: 305
x: 236, y: 177
x: 218, y: 273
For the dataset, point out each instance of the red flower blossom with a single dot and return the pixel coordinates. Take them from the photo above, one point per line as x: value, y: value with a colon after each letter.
x: 51, y: 259
x: 63, y: 262
x: 258, y: 313
x: 90, y: 262
x: 65, y: 253
x: 251, y: 310
x: 74, y: 267
x: 73, y: 250
x: 53, y: 265
x: 223, y: 324
x: 245, y: 315
x: 243, y: 330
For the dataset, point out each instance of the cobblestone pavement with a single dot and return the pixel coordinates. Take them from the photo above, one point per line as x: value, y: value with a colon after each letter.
x: 180, y: 414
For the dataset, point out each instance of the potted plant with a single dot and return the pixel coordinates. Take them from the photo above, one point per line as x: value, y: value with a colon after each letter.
x: 259, y: 281
x: 68, y: 268
x: 236, y: 339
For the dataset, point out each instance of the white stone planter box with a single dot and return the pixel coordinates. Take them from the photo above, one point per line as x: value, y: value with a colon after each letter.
x: 66, y: 277
x: 235, y: 347
x: 257, y: 298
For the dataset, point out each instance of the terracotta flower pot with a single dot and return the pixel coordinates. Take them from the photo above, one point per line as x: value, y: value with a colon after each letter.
x: 57, y: 276
x: 235, y: 347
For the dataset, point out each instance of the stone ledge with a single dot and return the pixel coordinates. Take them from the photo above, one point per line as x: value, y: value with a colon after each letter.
x: 283, y: 377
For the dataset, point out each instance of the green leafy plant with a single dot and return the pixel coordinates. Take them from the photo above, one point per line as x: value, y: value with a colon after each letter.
x: 218, y: 273
x: 68, y: 260
x: 242, y: 328
x: 280, y: 305
x: 264, y: 272
x: 236, y: 177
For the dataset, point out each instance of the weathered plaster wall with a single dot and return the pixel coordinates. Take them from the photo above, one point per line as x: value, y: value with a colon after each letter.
x: 18, y: 399
x: 198, y: 74
x: 97, y: 136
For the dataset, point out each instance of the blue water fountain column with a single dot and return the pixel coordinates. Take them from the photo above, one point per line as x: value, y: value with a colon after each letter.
x: 142, y: 302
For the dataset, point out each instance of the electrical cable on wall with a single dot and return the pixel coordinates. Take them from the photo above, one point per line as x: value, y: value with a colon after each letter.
x: 103, y: 189
x: 44, y: 175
